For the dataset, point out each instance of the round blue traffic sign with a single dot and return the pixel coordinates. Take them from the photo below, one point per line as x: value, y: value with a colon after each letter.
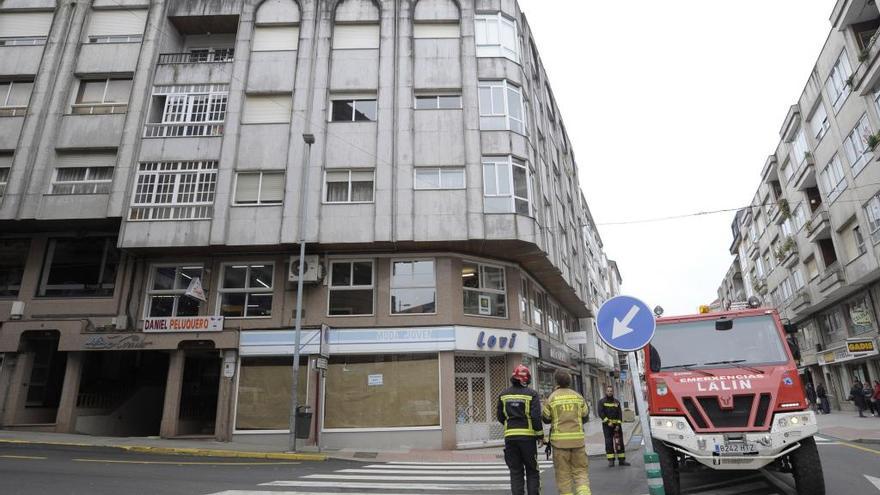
x: 625, y: 323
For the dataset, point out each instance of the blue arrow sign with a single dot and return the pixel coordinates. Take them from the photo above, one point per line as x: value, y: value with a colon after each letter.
x: 625, y: 323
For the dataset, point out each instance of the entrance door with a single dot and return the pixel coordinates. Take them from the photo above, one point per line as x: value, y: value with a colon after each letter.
x: 478, y: 383
x: 199, y: 390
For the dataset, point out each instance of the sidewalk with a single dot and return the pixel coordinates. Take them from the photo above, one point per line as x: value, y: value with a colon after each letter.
x: 850, y: 427
x: 595, y: 446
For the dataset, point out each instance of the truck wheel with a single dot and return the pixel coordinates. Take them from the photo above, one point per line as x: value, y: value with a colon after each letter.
x: 669, y: 467
x: 807, y: 469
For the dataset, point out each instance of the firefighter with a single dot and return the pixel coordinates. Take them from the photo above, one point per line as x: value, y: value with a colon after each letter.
x: 566, y: 412
x: 519, y: 410
x: 612, y: 425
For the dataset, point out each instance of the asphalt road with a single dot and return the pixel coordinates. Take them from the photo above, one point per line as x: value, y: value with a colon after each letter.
x: 35, y: 469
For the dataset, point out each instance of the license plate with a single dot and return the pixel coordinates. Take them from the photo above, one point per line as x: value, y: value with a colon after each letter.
x: 736, y: 448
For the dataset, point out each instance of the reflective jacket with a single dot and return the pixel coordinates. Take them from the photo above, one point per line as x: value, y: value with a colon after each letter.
x: 519, y: 410
x: 609, y: 411
x: 566, y: 411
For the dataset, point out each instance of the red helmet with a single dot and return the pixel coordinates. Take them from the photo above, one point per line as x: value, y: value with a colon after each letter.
x: 522, y: 374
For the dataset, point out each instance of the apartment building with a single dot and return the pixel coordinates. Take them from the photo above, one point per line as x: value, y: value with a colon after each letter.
x: 808, y: 243
x: 154, y: 169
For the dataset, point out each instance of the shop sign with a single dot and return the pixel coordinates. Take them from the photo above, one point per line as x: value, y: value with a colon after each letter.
x: 117, y: 342
x: 554, y: 353
x: 576, y: 338
x: 490, y: 340
x: 184, y: 324
x: 854, y: 349
x: 861, y: 347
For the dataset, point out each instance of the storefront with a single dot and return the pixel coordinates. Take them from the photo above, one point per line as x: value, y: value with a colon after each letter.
x: 855, y: 359
x: 555, y: 356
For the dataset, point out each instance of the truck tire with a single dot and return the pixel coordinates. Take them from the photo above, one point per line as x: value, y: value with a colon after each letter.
x: 669, y: 467
x: 807, y: 469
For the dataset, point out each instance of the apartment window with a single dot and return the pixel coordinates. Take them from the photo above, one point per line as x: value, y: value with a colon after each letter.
x: 24, y: 28
x: 833, y: 179
x: 116, y: 26
x: 786, y: 228
x: 799, y: 147
x: 833, y: 326
x: 348, y: 186
x: 538, y: 308
x: 80, y: 267
x: 167, y: 291
x: 501, y: 107
x: 82, y: 180
x: 872, y: 212
x: 496, y: 36
x: 436, y: 30
x: 246, y: 290
x: 836, y: 84
x: 439, y: 178
x: 13, y: 256
x: 4, y: 179
x: 14, y: 97
x: 438, y: 102
x: 267, y: 109
x: 759, y: 267
x: 819, y: 123
x: 788, y: 170
x: 786, y: 289
x: 524, y: 301
x: 275, y: 38
x: 188, y: 110
x: 355, y: 36
x: 799, y: 217
x: 553, y: 320
x: 351, y: 288
x: 853, y: 242
x: 174, y: 191
x: 484, y: 290
x: 797, y: 279
x: 259, y: 188
x: 506, y: 185
x: 361, y: 110
x: 812, y: 268
x: 102, y: 96
x: 413, y: 287
x: 856, y: 145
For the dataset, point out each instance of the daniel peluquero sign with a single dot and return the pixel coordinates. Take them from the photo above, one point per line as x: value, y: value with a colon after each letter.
x: 184, y: 324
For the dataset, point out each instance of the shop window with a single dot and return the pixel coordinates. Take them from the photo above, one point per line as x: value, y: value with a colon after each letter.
x: 264, y: 392
x: 860, y: 315
x: 167, y: 293
x: 80, y: 267
x: 351, y: 288
x: 13, y: 255
x: 484, y: 290
x: 384, y: 391
x: 413, y: 287
x: 246, y: 291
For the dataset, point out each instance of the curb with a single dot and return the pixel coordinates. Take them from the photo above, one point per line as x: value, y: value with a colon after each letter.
x: 144, y: 449
x: 869, y: 441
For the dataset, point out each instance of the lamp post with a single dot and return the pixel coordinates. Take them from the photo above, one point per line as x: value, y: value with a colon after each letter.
x: 309, y: 139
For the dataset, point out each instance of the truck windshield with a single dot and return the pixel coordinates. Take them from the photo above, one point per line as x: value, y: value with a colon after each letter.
x: 697, y: 344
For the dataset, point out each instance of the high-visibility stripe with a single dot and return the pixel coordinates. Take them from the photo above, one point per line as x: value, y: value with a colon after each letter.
x: 520, y: 432
x: 566, y: 436
x: 610, y: 456
x: 621, y: 456
x: 609, y: 404
x: 527, y: 410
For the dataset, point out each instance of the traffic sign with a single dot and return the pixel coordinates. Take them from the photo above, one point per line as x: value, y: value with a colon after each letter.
x: 625, y: 323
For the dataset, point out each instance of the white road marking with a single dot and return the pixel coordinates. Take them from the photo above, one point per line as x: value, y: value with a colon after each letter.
x: 874, y: 481
x: 425, y: 471
x: 444, y: 467
x: 275, y: 492
x: 368, y: 477
x: 458, y: 487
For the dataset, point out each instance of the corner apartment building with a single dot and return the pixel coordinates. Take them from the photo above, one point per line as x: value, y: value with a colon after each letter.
x: 808, y: 243
x: 153, y: 176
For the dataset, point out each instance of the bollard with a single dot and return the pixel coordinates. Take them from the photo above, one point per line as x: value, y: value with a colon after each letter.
x: 653, y: 473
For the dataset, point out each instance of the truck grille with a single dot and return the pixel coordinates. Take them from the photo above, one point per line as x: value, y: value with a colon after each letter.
x: 738, y: 417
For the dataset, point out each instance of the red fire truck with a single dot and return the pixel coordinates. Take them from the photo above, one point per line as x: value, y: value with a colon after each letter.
x: 724, y: 392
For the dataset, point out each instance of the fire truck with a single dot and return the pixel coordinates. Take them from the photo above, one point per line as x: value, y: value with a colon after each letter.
x: 724, y: 393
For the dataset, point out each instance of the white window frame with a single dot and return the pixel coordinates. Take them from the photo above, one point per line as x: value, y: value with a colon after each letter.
x: 149, y: 180
x: 392, y: 287
x: 260, y: 201
x: 150, y: 292
x: 799, y: 217
x: 331, y: 288
x: 439, y: 171
x: 94, y: 185
x: 193, y: 110
x: 88, y: 108
x: 348, y: 201
x: 820, y: 122
x: 872, y: 213
x: 509, y: 162
x: 4, y: 179
x: 834, y: 186
x: 480, y: 267
x: 436, y: 97
x: 855, y: 145
x: 506, y: 88
x: 799, y: 147
x: 489, y: 36
x: 836, y: 86
x: 247, y: 291
x: 354, y: 101
x: 798, y: 279
x: 13, y: 111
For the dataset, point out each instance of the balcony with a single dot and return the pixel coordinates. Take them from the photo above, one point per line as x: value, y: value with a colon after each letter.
x: 98, y: 108
x: 165, y: 130
x: 833, y: 279
x: 219, y: 55
x: 819, y: 227
x: 800, y: 300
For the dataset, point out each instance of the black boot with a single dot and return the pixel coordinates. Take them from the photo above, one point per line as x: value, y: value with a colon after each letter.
x: 622, y: 462
x: 610, y: 462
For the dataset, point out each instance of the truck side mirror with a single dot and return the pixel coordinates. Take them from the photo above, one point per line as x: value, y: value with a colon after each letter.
x: 723, y: 324
x: 794, y: 347
x: 655, y: 359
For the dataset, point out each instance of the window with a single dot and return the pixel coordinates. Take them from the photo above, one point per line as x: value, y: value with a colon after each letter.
x: 167, y: 291
x: 484, y: 290
x: 14, y: 97
x: 432, y: 30
x: 348, y: 186
x: 853, y: 242
x: 439, y: 178
x: 506, y: 185
x: 799, y: 147
x: 438, y: 102
x: 860, y: 315
x: 786, y: 289
x: 496, y: 36
x: 102, y: 96
x: 788, y: 170
x: 856, y: 145
x: 833, y: 326
x: 82, y: 180
x: 116, y: 26
x: 501, y: 107
x: 819, y: 123
x: 872, y: 212
x: 174, y: 191
x: 246, y: 290
x: 797, y: 278
x: 355, y: 36
x: 413, y: 287
x: 188, y: 110
x: 351, y: 288
x: 13, y: 256
x: 267, y: 109
x: 275, y: 38
x: 364, y: 110
x: 4, y: 179
x: 80, y: 267
x: 264, y: 392
x: 786, y: 228
x: 836, y: 85
x: 259, y: 188
x: 833, y: 179
x: 524, y: 301
x: 759, y: 267
x: 24, y: 28
x: 538, y: 308
x: 799, y: 217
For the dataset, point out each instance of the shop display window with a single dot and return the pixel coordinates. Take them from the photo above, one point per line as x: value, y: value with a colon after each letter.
x: 264, y: 392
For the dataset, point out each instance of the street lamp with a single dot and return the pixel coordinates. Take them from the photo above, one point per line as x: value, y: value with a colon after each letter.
x: 309, y: 139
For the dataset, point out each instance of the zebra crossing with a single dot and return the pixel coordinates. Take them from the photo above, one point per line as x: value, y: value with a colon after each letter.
x: 396, y: 478
x: 820, y: 440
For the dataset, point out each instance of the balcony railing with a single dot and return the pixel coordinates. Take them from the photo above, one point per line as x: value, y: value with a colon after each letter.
x: 198, y: 57
x: 23, y: 41
x: 98, y: 108
x: 12, y: 111
x: 183, y: 130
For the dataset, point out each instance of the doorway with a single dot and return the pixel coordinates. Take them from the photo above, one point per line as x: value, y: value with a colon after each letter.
x: 198, y: 394
x: 478, y: 383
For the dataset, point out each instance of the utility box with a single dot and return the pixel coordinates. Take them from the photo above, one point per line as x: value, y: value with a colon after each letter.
x: 303, y: 421
x: 629, y: 415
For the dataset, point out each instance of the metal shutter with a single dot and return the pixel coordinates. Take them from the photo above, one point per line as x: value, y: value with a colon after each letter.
x: 15, y: 24
x: 5, y: 160
x: 86, y: 159
x: 271, y: 38
x: 116, y: 22
x: 356, y: 36
x: 266, y: 109
x: 422, y: 30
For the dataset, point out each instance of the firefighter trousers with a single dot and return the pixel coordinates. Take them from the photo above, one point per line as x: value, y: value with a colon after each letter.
x: 521, y: 457
x: 571, y: 471
x: 610, y: 452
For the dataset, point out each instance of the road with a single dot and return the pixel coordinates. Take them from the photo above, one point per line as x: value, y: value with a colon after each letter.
x: 35, y: 469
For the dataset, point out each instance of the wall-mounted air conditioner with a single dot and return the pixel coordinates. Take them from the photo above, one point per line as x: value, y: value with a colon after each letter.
x: 313, y: 271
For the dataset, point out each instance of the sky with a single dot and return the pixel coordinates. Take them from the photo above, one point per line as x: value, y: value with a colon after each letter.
x: 672, y: 107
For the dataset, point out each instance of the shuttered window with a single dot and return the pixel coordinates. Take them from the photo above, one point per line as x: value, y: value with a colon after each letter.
x: 116, y: 26
x: 86, y: 159
x: 259, y: 188
x: 275, y: 38
x: 355, y: 36
x: 25, y: 28
x: 267, y: 109
x: 436, y: 31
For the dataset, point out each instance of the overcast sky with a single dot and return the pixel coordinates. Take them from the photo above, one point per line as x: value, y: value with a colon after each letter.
x: 672, y: 107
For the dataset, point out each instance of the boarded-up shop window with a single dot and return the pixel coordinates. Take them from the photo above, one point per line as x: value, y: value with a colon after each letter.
x: 383, y: 391
x: 264, y: 392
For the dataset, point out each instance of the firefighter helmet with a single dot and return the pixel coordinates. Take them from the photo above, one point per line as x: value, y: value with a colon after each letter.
x: 522, y: 374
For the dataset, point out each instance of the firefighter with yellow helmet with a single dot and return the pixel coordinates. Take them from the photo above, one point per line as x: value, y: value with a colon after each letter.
x: 566, y: 412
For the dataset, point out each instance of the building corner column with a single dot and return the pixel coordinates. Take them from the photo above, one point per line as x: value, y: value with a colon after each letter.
x: 65, y: 418
x: 447, y: 401
x: 18, y: 385
x: 173, y: 387
x: 225, y: 395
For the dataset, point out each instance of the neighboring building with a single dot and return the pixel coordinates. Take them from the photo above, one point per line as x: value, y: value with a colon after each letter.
x: 809, y: 242
x: 153, y: 169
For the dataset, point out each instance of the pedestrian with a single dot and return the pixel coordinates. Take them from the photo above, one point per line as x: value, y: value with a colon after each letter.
x: 876, y: 397
x: 566, y: 412
x: 868, y: 392
x: 811, y: 395
x: 519, y: 410
x: 822, y: 397
x: 612, y: 428
x: 857, y: 395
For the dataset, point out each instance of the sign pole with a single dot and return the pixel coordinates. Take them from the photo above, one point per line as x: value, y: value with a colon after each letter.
x: 652, y: 461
